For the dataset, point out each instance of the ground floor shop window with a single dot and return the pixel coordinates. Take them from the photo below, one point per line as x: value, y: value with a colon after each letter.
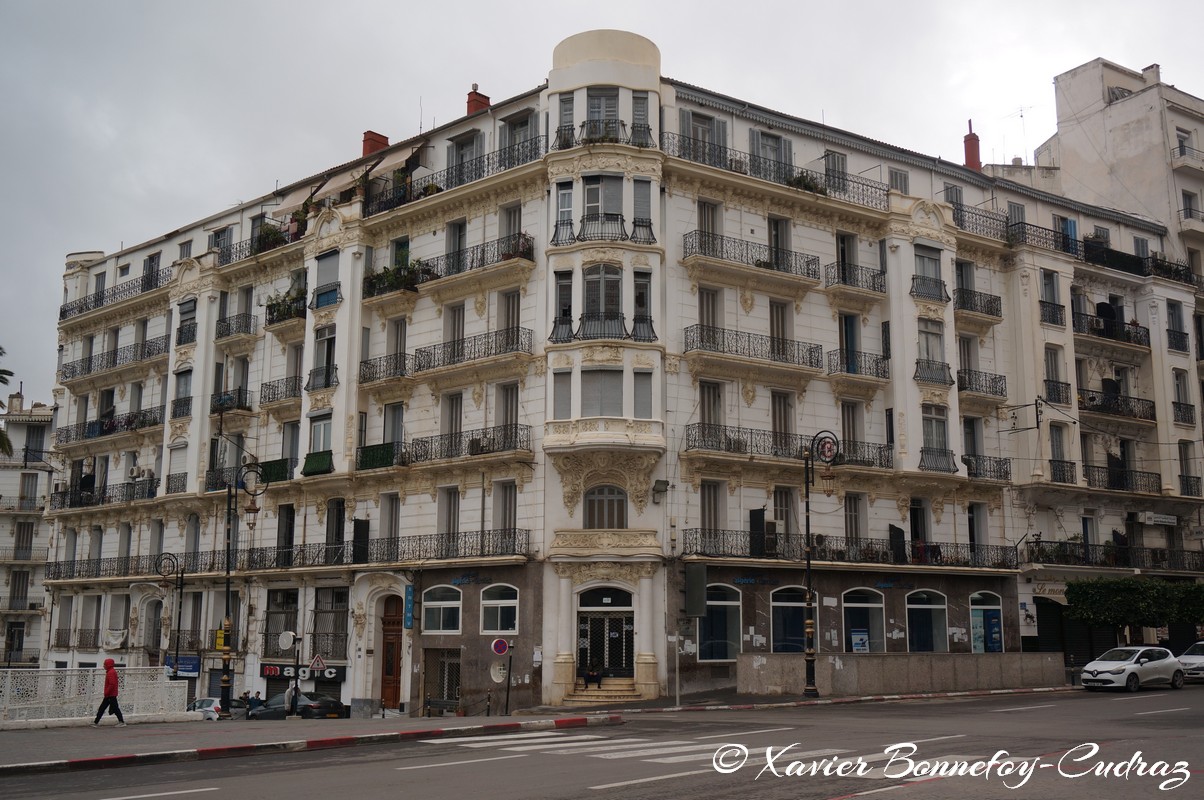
x: 986, y: 623
x: 864, y: 626
x: 441, y: 610
x: 789, y: 617
x: 719, y: 630
x: 927, y: 622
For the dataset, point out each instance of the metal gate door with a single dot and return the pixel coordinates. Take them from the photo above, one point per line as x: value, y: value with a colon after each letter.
x: 607, y: 639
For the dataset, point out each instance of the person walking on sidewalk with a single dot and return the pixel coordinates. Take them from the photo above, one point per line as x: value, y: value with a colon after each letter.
x: 110, y: 702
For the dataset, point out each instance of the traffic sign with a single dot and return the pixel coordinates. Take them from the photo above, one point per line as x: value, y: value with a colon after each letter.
x: 500, y: 647
x: 317, y: 665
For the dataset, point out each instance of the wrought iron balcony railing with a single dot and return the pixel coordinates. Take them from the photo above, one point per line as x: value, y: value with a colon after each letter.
x: 1119, y: 405
x: 328, y: 294
x: 322, y: 378
x: 603, y: 227
x: 991, y: 468
x: 1045, y: 238
x: 642, y: 329
x: 1122, y: 480
x: 389, y: 193
x: 269, y: 237
x: 1063, y: 471
x: 992, y: 224
x: 377, y: 456
x: 1178, y: 341
x: 26, y: 602
x: 181, y: 407
x: 230, y: 400
x: 936, y: 459
x: 602, y: 325
x: 990, y: 305
x: 1096, y: 251
x: 865, y: 454
x: 110, y: 425
x: 187, y: 640
x: 1116, y: 330
x: 752, y: 254
x: 969, y: 380
x: 415, y: 272
x: 934, y: 372
x: 119, y: 357
x: 235, y: 325
x: 562, y: 330
x: 753, y: 345
x: 1052, y: 313
x: 277, y: 470
x: 280, y: 389
x: 26, y: 457
x: 1110, y: 554
x: 177, y: 482
x: 384, y: 367
x: 852, y: 362
x: 332, y: 646
x: 1057, y: 392
x: 478, y: 442
x: 219, y: 478
x: 641, y: 231
x: 928, y: 288
x: 1185, y: 413
x: 285, y: 309
x: 24, y: 553
x: 1189, y: 485
x: 474, y: 348
x: 602, y: 131
x: 840, y: 273
x: 87, y: 638
x: 122, y: 291
x: 751, y: 441
x: 563, y: 234
x: 186, y: 333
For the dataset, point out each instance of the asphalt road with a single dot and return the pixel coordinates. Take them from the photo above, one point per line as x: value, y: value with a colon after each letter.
x: 1050, y: 747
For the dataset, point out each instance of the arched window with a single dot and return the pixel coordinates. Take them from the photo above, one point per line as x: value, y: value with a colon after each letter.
x: 499, y: 609
x: 605, y: 507
x: 719, y: 630
x: 789, y: 619
x: 864, y: 621
x: 986, y: 623
x: 927, y: 622
x: 441, y: 610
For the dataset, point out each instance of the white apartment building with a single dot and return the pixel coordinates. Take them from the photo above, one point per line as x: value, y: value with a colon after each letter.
x: 508, y: 378
x: 24, y: 537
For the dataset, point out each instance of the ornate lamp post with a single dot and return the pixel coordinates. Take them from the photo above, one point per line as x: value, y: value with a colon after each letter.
x: 825, y: 448
x: 246, y: 477
x: 170, y: 566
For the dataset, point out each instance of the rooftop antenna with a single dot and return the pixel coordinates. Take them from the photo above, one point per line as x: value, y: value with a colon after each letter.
x: 1019, y: 112
x: 420, y: 113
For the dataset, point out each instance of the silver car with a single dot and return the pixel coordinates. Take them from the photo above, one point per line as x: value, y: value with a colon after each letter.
x: 1193, y: 662
x: 1131, y: 668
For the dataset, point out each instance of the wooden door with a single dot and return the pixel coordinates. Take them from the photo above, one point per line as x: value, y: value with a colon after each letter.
x: 392, y: 644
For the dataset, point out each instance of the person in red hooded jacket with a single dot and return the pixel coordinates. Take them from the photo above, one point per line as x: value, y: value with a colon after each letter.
x: 110, y: 702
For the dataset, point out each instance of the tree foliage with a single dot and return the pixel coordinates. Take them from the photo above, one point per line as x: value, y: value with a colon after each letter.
x: 1135, y: 602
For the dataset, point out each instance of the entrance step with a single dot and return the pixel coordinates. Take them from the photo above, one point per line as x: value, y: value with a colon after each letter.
x: 613, y: 691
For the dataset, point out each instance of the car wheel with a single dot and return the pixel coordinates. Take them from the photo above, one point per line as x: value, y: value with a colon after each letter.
x: 1132, y: 683
x: 1177, y: 680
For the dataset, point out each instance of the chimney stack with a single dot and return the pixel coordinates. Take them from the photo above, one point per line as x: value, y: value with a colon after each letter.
x: 16, y: 402
x: 1151, y: 74
x: 971, y: 144
x: 476, y: 101
x: 374, y: 141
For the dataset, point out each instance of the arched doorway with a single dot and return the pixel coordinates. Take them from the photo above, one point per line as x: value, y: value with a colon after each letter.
x: 392, y: 624
x: 606, y: 631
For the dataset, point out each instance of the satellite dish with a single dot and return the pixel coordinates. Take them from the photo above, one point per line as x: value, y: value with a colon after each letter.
x: 286, y: 640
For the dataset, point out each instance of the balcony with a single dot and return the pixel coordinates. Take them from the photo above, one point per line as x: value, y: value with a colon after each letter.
x: 380, y: 456
x: 15, y: 604
x: 924, y: 287
x: 285, y: 317
x: 1108, y: 337
x: 603, y: 227
x: 1109, y: 554
x: 981, y: 391
x: 745, y: 442
x: 177, y: 482
x: 641, y: 231
x: 148, y: 419
x: 857, y: 375
x: 186, y: 333
x: 282, y: 397
x: 988, y: 468
x: 22, y: 554
x: 267, y: 238
x: 1057, y: 392
x: 936, y: 459
x: 1122, y: 480
x: 112, y: 364
x: 22, y: 655
x: 853, y: 288
x: 326, y: 377
x: 603, y: 131
x: 1185, y: 413
x: 230, y: 400
x: 328, y: 294
x: 236, y: 334
x: 1187, y: 159
x: 1096, y: 251
x: 1116, y: 405
x: 27, y: 457
x: 977, y: 312
x: 562, y: 233
x: 221, y: 477
x: 330, y: 646
x: 122, y: 291
x: 855, y: 456
x: 415, y: 550
x: 189, y: 641
x: 1063, y: 471
x: 773, y: 360
x: 715, y: 543
x: 1022, y: 233
x: 387, y: 193
x: 980, y: 222
x: 483, y: 346
x: 320, y: 462
x: 87, y: 638
x: 935, y: 373
x: 1189, y: 485
x: 502, y: 440
x: 711, y: 258
x: 210, y: 640
x: 834, y: 184
x: 109, y: 494
x: 62, y: 638
x: 181, y: 407
x: 1179, y: 341
x: 277, y: 470
x: 1052, y: 314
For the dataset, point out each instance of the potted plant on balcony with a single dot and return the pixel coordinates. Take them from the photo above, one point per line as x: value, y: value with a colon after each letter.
x: 269, y: 237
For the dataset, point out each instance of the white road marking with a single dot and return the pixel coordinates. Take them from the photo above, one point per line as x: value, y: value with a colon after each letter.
x: 741, y: 733
x: 546, y: 741
x: 1136, y: 697
x: 1163, y: 711
x: 444, y: 764
x: 650, y: 780
x: 752, y: 759
x: 163, y: 794
x: 1020, y: 708
x: 933, y: 739
x: 501, y: 737
x: 610, y: 747
x: 656, y: 751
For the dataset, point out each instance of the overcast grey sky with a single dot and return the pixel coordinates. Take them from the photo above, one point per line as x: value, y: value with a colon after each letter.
x: 124, y: 120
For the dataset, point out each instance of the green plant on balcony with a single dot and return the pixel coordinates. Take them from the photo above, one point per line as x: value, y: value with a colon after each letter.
x: 282, y: 306
x: 269, y: 237
x: 431, y: 188
x: 807, y: 183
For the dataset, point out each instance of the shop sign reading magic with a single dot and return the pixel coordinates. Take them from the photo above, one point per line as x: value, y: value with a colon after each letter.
x: 303, y: 673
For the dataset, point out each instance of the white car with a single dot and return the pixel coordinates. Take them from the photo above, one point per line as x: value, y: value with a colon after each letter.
x: 1193, y: 662
x: 1131, y: 668
x: 211, y: 707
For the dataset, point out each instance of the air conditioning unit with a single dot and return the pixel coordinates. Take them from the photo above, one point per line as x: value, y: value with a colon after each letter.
x: 133, y: 473
x: 738, y: 164
x: 147, y: 473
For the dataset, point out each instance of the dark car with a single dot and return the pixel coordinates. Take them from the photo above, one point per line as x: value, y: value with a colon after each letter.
x: 311, y: 705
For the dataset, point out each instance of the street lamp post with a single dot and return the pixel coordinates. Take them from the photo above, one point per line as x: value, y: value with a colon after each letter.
x: 246, y: 477
x: 171, y: 566
x: 826, y: 448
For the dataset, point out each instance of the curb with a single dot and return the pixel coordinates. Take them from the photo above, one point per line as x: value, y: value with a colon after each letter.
x: 873, y: 698
x: 300, y: 745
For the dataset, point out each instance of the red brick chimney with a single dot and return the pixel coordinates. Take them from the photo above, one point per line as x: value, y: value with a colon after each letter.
x: 374, y: 141
x: 971, y: 143
x: 476, y: 101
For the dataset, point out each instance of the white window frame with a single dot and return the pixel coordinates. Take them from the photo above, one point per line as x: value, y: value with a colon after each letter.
x: 441, y: 606
x: 494, y: 606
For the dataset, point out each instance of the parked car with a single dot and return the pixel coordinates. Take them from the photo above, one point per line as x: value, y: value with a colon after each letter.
x: 1131, y: 668
x: 1193, y: 662
x: 211, y: 707
x: 310, y: 705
